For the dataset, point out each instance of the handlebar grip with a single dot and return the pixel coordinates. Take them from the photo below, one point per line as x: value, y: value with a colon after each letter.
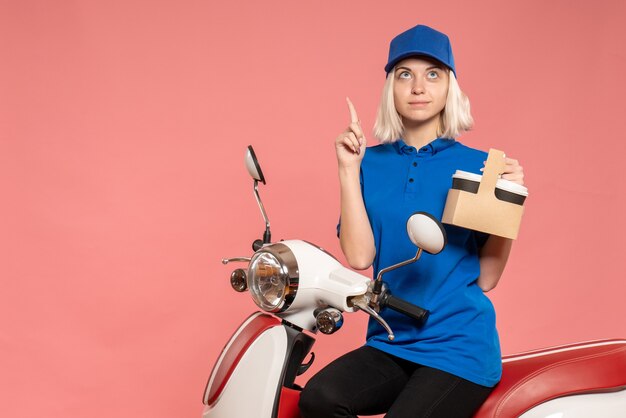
x: 402, y: 306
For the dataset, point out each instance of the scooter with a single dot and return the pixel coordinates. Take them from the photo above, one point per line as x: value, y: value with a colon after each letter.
x: 300, y: 287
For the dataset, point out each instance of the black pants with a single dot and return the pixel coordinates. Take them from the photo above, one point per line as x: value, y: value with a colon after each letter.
x: 368, y: 381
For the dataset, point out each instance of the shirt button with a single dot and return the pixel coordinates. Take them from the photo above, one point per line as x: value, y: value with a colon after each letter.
x: 410, y: 180
x: 414, y: 164
x: 425, y: 149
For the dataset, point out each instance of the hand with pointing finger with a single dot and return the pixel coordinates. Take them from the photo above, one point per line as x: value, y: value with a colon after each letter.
x: 351, y: 143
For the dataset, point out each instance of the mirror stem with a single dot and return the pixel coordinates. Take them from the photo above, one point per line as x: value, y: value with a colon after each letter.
x: 378, y: 285
x: 267, y: 235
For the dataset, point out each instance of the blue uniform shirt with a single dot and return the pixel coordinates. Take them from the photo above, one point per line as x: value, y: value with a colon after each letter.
x: 460, y: 335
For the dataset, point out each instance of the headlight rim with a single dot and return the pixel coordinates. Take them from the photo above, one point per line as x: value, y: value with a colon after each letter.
x: 289, y: 265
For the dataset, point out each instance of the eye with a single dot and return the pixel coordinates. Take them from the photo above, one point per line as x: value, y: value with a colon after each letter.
x: 433, y: 74
x: 404, y: 74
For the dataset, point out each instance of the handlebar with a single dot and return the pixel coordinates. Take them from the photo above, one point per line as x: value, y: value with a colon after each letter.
x: 404, y: 307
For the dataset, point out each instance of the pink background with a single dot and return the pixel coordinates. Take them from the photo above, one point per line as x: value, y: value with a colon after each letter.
x: 123, y: 126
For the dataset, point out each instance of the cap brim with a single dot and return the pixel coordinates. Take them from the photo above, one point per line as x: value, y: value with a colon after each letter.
x: 408, y: 54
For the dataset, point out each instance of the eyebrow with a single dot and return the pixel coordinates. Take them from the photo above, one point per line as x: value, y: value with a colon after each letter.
x: 439, y: 67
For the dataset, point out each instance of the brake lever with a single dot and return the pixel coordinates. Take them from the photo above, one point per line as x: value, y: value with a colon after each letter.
x: 362, y: 302
x: 242, y: 259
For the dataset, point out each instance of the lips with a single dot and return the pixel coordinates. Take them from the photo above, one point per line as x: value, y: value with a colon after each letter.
x: 418, y: 103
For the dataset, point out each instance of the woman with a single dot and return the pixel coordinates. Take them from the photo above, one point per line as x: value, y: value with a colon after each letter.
x: 448, y: 366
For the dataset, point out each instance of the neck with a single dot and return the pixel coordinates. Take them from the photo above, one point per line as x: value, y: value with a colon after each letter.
x: 418, y: 134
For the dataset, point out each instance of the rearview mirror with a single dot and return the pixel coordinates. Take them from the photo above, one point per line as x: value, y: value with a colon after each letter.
x: 426, y: 232
x: 252, y: 164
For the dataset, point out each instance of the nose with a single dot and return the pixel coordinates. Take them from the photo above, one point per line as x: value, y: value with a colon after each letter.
x: 418, y: 86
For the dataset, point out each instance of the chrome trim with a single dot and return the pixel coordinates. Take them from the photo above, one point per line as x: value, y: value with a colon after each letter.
x: 238, y: 280
x: 395, y: 266
x: 329, y: 320
x: 363, y: 303
x: 228, y: 260
x: 289, y: 265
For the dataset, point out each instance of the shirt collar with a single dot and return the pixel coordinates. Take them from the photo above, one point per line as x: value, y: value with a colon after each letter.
x: 433, y: 147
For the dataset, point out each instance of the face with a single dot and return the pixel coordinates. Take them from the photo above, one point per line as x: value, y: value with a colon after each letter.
x: 420, y: 89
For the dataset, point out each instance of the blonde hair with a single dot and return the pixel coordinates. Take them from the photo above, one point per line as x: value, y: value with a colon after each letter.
x: 455, y: 118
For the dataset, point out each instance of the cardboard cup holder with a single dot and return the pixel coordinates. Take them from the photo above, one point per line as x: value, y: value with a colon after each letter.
x: 505, y: 190
x: 486, y: 203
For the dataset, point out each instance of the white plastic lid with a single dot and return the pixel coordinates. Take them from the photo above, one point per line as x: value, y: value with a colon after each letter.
x: 502, y: 184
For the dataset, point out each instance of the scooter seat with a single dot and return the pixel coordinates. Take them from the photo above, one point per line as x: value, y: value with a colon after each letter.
x: 534, y: 377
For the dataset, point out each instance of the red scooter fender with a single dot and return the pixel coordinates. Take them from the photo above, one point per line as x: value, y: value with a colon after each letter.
x: 254, y: 375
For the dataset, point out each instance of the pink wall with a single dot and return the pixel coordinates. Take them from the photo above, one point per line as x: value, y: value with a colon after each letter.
x: 123, y: 126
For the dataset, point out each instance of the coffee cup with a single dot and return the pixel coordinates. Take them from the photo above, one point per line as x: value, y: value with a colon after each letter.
x: 506, y: 190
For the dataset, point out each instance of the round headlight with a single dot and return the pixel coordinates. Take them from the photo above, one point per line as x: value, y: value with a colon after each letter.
x: 271, y: 280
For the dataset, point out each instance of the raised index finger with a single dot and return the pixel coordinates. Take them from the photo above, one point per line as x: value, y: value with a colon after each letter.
x: 353, y: 116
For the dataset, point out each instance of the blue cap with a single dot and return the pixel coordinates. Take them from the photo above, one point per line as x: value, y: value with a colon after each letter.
x: 421, y: 40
